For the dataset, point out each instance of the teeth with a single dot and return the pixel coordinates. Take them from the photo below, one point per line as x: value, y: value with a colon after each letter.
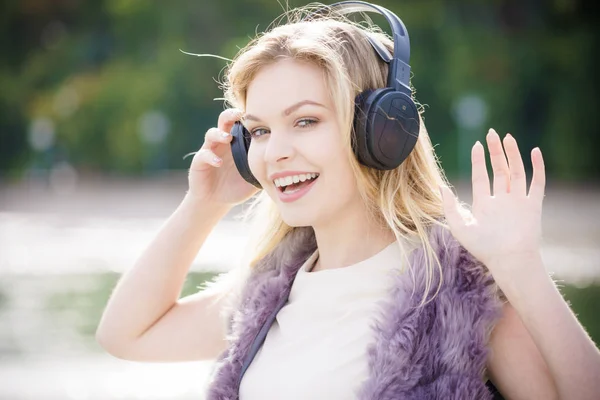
x: 288, y: 180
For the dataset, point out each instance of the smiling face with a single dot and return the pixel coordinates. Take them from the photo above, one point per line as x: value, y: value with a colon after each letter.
x: 295, y: 138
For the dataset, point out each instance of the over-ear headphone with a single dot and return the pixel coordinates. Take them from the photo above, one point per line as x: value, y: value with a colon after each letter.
x: 386, y: 120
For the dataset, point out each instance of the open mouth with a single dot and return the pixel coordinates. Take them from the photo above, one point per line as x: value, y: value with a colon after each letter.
x: 297, y: 182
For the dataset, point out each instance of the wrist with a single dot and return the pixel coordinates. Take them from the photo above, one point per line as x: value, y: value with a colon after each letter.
x: 204, y: 208
x: 521, y: 275
x: 516, y: 259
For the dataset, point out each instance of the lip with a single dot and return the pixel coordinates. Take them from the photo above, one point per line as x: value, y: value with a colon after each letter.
x: 288, y: 198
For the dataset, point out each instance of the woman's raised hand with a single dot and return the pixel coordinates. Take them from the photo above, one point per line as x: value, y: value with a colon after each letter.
x: 213, y: 176
x: 505, y: 226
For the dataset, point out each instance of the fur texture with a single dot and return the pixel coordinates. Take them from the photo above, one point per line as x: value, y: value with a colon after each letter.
x: 436, y: 351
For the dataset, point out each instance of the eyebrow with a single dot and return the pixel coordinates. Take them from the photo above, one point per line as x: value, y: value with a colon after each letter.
x: 287, y: 111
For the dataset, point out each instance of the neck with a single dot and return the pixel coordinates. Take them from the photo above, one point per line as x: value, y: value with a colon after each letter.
x: 342, y: 243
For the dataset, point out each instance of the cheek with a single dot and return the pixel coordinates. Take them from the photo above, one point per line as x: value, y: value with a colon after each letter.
x: 332, y: 155
x: 332, y: 158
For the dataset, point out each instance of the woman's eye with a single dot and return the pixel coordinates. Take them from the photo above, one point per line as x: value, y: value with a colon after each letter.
x: 258, y: 132
x: 302, y: 123
x: 305, y: 123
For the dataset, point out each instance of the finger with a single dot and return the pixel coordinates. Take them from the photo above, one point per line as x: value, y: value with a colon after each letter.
x: 450, y: 204
x: 479, y: 176
x: 205, y: 158
x: 227, y: 118
x: 518, y: 180
x: 538, y: 181
x: 499, y: 164
x: 214, y: 137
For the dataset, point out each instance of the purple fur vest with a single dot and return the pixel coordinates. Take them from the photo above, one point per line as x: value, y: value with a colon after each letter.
x: 434, y: 351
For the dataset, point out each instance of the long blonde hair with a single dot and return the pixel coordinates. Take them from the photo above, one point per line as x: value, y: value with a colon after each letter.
x: 406, y: 199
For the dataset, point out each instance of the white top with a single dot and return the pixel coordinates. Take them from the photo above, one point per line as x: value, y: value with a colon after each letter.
x: 317, y: 345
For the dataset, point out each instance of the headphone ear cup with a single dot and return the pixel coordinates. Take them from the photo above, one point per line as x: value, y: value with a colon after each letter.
x: 363, y: 103
x: 387, y: 128
x: 240, y: 143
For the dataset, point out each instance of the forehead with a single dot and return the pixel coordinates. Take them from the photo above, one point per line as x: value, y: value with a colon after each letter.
x: 278, y: 85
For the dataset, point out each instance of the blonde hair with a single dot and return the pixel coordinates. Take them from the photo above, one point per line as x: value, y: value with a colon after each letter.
x: 406, y: 199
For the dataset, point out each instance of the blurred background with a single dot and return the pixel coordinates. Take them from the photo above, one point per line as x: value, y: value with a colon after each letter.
x: 98, y: 108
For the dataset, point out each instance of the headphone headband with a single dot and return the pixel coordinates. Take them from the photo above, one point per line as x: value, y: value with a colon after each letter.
x: 399, y: 68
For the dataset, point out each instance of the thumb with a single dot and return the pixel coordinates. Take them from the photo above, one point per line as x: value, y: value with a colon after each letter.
x: 450, y: 203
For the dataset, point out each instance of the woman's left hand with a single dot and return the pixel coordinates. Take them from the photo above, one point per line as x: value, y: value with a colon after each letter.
x: 503, y: 229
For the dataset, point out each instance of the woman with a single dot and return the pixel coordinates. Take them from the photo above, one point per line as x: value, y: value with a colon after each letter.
x: 365, y: 283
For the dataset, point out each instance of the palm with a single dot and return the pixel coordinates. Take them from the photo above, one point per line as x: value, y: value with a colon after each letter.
x: 507, y: 223
x: 231, y: 186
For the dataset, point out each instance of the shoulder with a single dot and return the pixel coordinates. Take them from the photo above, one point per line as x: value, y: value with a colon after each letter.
x: 458, y: 264
x: 443, y: 265
x: 259, y: 287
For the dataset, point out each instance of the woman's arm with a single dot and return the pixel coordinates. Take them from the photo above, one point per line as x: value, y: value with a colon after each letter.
x: 144, y: 319
x: 514, y: 364
x: 539, y: 349
x: 503, y: 230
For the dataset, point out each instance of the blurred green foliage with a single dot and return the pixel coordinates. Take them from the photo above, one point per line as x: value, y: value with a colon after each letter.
x: 584, y: 302
x: 79, y: 303
x: 91, y: 76
x: 68, y: 307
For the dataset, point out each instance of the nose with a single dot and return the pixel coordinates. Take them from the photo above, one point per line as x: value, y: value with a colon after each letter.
x: 279, y: 147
